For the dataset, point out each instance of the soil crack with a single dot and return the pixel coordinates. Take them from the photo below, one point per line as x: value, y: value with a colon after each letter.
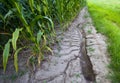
x: 87, y: 67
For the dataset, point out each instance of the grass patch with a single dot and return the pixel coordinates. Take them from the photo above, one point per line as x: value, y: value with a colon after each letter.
x: 106, y: 18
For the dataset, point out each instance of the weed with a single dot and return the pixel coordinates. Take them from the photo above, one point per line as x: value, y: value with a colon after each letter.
x: 77, y: 75
x: 91, y: 49
x: 89, y: 31
x: 44, y: 81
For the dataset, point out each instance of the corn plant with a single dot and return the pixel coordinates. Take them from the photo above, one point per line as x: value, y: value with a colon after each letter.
x: 6, y: 51
x: 37, y: 19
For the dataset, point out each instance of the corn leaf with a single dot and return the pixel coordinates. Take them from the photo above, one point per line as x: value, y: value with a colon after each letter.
x: 16, y: 59
x: 39, y: 35
x: 20, y: 14
x: 1, y: 17
x: 44, y: 43
x: 38, y: 8
x: 49, y: 49
x: 31, y: 3
x: 18, y: 7
x: 44, y: 2
x: 35, y: 20
x: 45, y: 18
x: 6, y: 54
x: 39, y: 58
x: 15, y: 37
x: 51, y: 22
x: 8, y: 14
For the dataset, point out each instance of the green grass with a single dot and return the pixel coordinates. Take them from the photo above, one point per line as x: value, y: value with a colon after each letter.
x: 106, y: 18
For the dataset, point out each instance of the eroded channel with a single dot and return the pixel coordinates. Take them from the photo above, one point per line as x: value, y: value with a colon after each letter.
x: 86, y: 65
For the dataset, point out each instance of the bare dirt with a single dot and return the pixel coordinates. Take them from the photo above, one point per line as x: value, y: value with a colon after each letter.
x: 79, y: 57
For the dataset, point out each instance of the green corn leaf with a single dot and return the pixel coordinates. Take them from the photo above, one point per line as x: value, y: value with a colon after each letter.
x: 35, y: 20
x: 45, y: 18
x: 15, y: 36
x: 20, y: 14
x: 8, y: 14
x: 39, y: 35
x: 16, y: 59
x: 22, y: 18
x: 45, y: 41
x: 6, y: 54
x: 38, y: 7
x: 31, y: 3
x: 18, y: 7
x: 1, y: 17
x: 51, y: 22
x: 24, y: 22
x: 45, y: 10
